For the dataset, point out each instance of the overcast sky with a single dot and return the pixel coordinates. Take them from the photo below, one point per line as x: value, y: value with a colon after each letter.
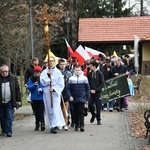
x: 137, y: 5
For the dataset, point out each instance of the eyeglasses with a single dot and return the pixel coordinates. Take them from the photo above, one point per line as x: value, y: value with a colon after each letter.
x: 4, y: 71
x: 62, y: 64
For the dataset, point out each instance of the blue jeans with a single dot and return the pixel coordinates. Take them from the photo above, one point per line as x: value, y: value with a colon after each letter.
x: 6, y: 115
x: 111, y: 104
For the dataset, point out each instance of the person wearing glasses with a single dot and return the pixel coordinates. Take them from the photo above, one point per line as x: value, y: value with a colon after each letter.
x: 10, y: 97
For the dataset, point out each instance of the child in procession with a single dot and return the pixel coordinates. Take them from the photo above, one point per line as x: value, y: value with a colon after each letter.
x: 36, y: 89
x: 78, y: 82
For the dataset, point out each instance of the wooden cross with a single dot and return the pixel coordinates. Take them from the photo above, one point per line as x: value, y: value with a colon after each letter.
x: 45, y: 18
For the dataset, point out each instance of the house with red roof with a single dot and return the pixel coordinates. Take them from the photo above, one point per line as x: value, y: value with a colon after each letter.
x: 118, y: 31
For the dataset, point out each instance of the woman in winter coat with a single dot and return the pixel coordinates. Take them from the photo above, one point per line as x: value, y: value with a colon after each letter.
x: 36, y: 89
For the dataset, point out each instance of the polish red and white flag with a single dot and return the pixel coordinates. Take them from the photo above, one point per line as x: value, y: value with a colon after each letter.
x: 70, y: 51
x: 93, y: 53
x: 81, y: 55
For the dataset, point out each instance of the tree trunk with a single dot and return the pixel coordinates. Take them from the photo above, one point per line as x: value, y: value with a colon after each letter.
x: 141, y: 11
x: 21, y: 82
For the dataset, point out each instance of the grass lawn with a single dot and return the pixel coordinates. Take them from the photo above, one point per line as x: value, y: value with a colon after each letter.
x: 23, y: 92
x: 24, y: 97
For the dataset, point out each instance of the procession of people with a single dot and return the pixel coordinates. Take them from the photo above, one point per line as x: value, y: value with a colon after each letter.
x: 61, y: 92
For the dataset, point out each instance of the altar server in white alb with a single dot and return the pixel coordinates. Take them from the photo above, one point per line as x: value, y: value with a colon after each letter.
x: 54, y: 114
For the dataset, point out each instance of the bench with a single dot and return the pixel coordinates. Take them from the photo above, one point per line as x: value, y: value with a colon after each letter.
x: 147, y: 124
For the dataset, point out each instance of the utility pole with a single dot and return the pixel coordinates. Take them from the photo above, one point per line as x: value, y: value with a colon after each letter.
x: 141, y: 11
x: 31, y: 28
x: 129, y: 7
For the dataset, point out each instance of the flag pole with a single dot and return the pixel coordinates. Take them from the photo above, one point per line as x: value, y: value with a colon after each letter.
x: 46, y: 18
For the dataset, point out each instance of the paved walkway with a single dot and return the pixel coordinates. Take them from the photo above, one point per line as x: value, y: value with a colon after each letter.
x: 114, y: 133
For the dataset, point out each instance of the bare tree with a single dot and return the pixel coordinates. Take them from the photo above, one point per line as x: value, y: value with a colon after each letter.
x: 141, y: 7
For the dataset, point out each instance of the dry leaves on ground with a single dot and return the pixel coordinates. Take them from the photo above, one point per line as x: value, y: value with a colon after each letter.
x: 138, y: 128
x: 20, y: 116
x: 137, y: 125
x: 144, y: 148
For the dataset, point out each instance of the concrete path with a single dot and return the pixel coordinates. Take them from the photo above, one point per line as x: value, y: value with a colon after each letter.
x: 114, y: 133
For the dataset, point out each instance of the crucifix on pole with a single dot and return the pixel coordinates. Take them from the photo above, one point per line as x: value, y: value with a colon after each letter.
x: 45, y: 18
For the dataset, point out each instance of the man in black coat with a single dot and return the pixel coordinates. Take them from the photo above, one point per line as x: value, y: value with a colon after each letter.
x: 10, y: 97
x: 107, y: 71
x: 119, y: 69
x: 96, y: 82
x: 28, y: 73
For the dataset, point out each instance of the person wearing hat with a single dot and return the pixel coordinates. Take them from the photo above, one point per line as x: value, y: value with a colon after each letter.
x: 36, y: 89
x: 107, y: 71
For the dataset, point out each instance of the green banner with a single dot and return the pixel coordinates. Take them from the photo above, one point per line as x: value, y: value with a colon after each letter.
x: 115, y: 88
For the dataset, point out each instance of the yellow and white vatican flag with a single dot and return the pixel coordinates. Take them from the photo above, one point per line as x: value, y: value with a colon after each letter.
x: 52, y: 55
x: 115, y: 54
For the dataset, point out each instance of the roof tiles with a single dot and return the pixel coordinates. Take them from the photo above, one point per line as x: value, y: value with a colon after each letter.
x: 113, y: 29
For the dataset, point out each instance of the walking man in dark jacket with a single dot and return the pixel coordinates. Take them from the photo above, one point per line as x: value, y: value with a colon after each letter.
x: 108, y: 74
x: 96, y: 81
x: 64, y: 100
x: 28, y: 73
x: 119, y: 69
x: 10, y: 97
